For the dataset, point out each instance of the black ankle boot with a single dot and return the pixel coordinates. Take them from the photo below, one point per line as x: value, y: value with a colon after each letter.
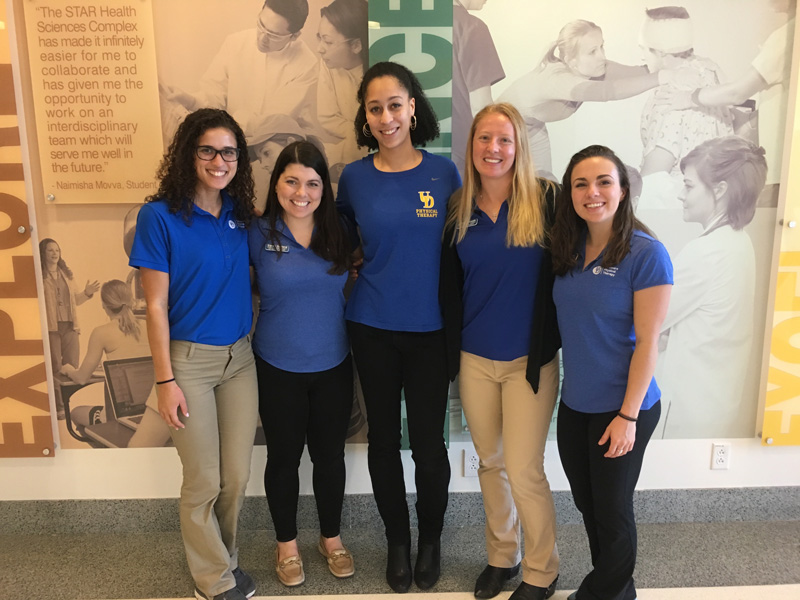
x: 398, y: 568
x: 427, y: 569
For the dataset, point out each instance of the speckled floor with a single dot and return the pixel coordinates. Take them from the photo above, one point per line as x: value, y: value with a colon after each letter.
x: 152, y: 565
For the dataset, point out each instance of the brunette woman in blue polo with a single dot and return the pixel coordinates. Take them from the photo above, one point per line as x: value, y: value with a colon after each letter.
x: 300, y: 252
x: 398, y: 197
x: 191, y: 248
x: 613, y: 282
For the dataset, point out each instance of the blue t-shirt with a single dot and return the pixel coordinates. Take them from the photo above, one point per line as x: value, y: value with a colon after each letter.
x: 499, y: 289
x: 401, y: 217
x: 209, y: 274
x: 300, y: 326
x: 595, y: 317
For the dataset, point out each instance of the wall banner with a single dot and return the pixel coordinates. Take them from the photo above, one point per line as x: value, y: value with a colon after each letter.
x: 93, y: 69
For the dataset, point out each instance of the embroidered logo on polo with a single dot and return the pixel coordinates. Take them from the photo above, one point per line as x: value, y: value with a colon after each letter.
x: 273, y: 248
x: 427, y: 209
x: 610, y: 271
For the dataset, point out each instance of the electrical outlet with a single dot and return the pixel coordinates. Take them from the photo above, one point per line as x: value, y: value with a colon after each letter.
x: 720, y: 456
x: 470, y: 463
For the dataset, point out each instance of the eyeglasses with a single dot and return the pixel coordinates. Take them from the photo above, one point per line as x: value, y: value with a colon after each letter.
x: 209, y: 153
x: 330, y: 44
x: 271, y: 34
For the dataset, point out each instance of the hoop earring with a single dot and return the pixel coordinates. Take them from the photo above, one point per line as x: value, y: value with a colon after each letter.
x: 413, y: 122
x: 365, y: 130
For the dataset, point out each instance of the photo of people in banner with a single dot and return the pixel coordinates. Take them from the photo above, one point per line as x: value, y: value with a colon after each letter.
x: 287, y: 71
x: 290, y: 75
x: 693, y: 96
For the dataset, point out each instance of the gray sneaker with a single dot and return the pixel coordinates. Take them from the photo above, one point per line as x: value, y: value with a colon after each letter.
x: 244, y: 582
x: 231, y: 594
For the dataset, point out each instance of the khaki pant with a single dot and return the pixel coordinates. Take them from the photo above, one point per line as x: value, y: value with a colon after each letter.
x: 215, y: 447
x: 509, y: 424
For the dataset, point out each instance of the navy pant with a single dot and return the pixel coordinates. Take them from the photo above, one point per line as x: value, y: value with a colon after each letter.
x: 300, y: 407
x: 388, y: 362
x: 603, y: 492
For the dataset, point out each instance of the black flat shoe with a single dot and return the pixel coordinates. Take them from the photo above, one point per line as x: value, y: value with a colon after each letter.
x: 427, y: 569
x: 398, y: 568
x: 491, y: 580
x: 526, y: 591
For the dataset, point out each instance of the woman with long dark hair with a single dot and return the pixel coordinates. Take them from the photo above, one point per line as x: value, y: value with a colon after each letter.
x: 398, y: 197
x: 613, y: 281
x: 191, y: 249
x: 301, y: 254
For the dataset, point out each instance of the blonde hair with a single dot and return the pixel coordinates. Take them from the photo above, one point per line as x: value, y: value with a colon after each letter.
x: 565, y: 48
x: 117, y: 298
x: 526, y: 200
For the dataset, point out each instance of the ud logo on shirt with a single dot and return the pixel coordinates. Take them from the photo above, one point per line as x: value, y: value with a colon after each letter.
x: 427, y: 209
x: 611, y: 271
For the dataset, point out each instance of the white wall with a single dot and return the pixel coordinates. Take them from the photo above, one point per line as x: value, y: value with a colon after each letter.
x: 155, y: 472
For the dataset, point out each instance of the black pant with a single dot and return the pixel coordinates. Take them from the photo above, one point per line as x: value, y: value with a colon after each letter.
x: 603, y: 492
x: 295, y: 407
x: 388, y: 362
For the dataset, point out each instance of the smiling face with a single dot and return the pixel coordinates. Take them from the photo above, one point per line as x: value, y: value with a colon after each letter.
x: 215, y: 174
x: 389, y: 110
x: 52, y: 254
x: 336, y: 50
x: 596, y: 191
x: 494, y: 147
x: 589, y: 59
x: 699, y: 201
x: 299, y: 191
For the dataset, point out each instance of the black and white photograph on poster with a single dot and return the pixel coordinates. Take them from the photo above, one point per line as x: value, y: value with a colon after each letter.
x: 693, y: 97
x: 286, y: 70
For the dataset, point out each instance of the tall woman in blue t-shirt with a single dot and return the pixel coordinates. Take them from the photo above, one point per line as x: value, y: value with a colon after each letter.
x: 612, y: 287
x: 300, y: 252
x: 191, y: 248
x: 497, y: 294
x: 398, y: 197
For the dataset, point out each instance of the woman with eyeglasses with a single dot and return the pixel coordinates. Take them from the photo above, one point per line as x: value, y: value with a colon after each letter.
x: 191, y: 249
x: 342, y: 45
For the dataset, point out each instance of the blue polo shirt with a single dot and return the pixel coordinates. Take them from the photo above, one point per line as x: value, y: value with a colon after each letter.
x: 499, y: 289
x: 300, y: 326
x: 401, y: 218
x: 209, y: 274
x: 595, y: 317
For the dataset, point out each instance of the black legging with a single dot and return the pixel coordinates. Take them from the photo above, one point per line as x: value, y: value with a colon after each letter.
x: 295, y: 407
x: 388, y: 362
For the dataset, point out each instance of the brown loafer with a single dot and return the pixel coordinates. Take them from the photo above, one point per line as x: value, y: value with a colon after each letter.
x: 340, y: 562
x: 290, y: 570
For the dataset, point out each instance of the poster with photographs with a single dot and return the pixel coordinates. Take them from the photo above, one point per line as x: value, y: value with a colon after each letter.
x: 693, y: 98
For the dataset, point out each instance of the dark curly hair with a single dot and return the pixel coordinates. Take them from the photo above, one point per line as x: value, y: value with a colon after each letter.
x: 330, y: 240
x: 427, y: 128
x: 568, y: 226
x: 178, y: 178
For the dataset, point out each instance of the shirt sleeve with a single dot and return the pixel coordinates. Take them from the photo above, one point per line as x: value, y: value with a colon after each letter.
x: 151, y: 243
x: 478, y: 57
x: 343, y: 197
x: 771, y: 60
x: 653, y: 267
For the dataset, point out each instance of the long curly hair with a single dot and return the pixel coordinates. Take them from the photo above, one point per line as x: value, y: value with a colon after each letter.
x: 427, y: 128
x: 568, y: 226
x: 178, y: 178
x: 330, y: 240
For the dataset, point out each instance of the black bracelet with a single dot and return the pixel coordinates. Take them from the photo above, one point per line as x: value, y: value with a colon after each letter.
x: 165, y: 381
x: 626, y: 417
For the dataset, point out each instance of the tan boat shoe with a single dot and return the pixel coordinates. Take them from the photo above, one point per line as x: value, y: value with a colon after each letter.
x: 340, y: 561
x: 289, y: 570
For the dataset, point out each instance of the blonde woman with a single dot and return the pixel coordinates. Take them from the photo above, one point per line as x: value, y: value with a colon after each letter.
x: 496, y: 288
x: 122, y: 337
